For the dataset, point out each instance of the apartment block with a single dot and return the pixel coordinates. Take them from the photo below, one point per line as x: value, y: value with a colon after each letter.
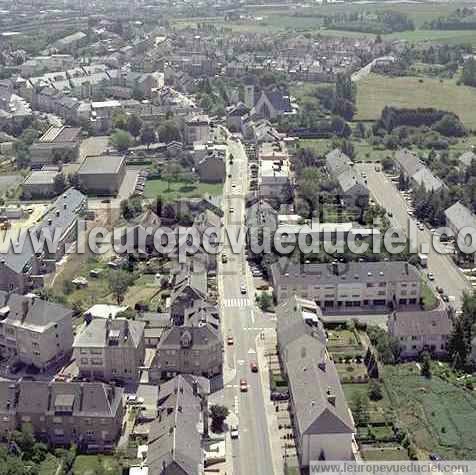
x: 109, y: 349
x: 346, y: 285
x: 34, y: 331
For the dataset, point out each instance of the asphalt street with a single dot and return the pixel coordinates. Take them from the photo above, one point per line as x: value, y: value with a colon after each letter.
x: 251, y: 451
x: 447, y: 275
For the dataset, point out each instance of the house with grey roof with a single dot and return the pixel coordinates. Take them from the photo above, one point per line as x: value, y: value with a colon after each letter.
x: 86, y: 414
x: 353, y: 187
x: 323, y: 423
x: 412, y: 168
x: 466, y: 158
x: 174, y: 441
x: 420, y: 331
x: 458, y: 216
x: 193, y: 347
x: 33, y: 331
x: 102, y: 175
x: 110, y: 349
x: 346, y: 286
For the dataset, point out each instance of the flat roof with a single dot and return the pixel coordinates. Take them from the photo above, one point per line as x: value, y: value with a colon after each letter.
x: 41, y: 177
x: 105, y: 164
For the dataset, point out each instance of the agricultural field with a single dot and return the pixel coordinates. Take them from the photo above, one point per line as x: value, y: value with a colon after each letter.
x: 177, y: 190
x: 440, y: 416
x: 375, y: 92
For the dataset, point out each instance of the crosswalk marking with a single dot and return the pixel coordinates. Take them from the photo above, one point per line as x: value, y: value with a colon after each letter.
x: 236, y: 302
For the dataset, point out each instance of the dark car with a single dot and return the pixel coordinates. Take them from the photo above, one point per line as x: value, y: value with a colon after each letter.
x: 279, y: 396
x: 435, y: 457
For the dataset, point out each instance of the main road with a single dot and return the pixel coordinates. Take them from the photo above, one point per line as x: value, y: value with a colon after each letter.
x: 242, y: 321
x: 446, y: 273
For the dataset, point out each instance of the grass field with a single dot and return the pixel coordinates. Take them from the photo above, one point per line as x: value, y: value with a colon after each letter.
x: 375, y: 92
x: 440, y: 416
x: 180, y: 190
x: 92, y: 464
x: 49, y: 465
x: 387, y: 454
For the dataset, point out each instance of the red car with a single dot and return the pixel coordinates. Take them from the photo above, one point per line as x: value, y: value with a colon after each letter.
x: 253, y: 367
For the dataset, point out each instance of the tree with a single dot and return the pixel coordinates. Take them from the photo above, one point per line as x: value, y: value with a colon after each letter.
x: 121, y: 140
x: 23, y: 157
x: 131, y: 208
x: 218, y: 414
x: 147, y: 136
x: 119, y: 121
x: 134, y: 125
x: 119, y: 281
x: 169, y: 131
x: 375, y: 391
x: 170, y: 171
x: 426, y: 364
x: 59, y: 183
x: 265, y: 301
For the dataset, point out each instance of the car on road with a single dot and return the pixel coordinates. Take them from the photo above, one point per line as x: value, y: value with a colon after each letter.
x: 234, y: 432
x: 230, y: 341
x: 229, y: 175
x: 279, y: 396
x: 231, y: 210
x: 410, y: 212
x: 389, y: 213
x: 243, y: 385
x: 431, y: 276
x: 364, y: 175
x: 243, y: 288
x: 254, y: 367
x: 224, y: 258
x: 440, y: 290
x: 233, y: 185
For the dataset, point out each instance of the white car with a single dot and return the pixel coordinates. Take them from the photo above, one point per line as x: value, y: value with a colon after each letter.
x: 234, y: 432
x: 243, y: 288
x: 431, y: 276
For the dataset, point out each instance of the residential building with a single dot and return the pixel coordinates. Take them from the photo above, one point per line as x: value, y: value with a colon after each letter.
x: 458, y: 217
x: 70, y: 43
x: 323, y: 424
x: 110, y: 349
x: 194, y: 347
x: 102, y: 175
x: 274, y: 171
x: 212, y: 168
x: 174, y: 441
x: 57, y: 144
x: 353, y: 188
x: 88, y: 415
x: 33, y: 331
x: 51, y: 63
x: 421, y: 331
x: 40, y: 184
x: 197, y: 129
x: 416, y: 172
x: 341, y: 286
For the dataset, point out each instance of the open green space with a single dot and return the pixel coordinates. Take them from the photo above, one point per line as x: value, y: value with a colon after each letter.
x: 92, y: 464
x: 430, y: 300
x: 439, y: 416
x: 375, y: 92
x: 387, y: 454
x: 176, y: 190
x: 49, y: 465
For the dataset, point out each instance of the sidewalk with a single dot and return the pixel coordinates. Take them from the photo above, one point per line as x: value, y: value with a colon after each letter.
x: 272, y: 421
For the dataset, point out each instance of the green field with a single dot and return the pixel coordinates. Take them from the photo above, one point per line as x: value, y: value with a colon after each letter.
x: 180, y: 190
x: 92, y: 464
x: 440, y: 416
x: 375, y: 92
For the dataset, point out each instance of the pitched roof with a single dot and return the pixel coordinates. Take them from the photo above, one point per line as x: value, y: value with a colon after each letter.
x: 433, y: 323
x: 429, y: 181
x: 31, y: 311
x: 174, y: 438
x: 459, y: 216
x: 408, y: 161
x: 97, y: 333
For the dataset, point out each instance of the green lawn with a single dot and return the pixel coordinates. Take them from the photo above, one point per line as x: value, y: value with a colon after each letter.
x: 49, y: 465
x: 386, y: 454
x: 92, y: 464
x: 375, y: 92
x: 430, y: 301
x: 180, y: 190
x: 440, y: 416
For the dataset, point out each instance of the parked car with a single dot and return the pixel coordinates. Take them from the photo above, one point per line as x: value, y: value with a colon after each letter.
x: 234, y: 432
x: 279, y: 396
x: 431, y: 276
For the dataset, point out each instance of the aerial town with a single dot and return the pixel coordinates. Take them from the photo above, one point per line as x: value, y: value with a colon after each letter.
x: 236, y: 239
